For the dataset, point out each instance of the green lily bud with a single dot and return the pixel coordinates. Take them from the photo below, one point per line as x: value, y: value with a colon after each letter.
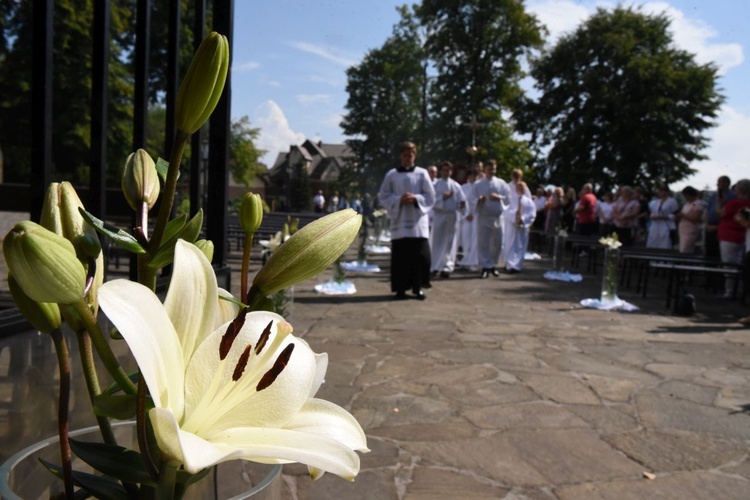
x: 44, y: 264
x: 43, y: 316
x: 61, y: 216
x: 140, y: 181
x: 203, y: 83
x: 207, y: 247
x: 308, y: 252
x: 251, y: 213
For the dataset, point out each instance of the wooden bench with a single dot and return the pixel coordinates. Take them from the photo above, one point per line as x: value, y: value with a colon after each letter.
x: 273, y: 222
x: 678, y: 273
x: 638, y: 260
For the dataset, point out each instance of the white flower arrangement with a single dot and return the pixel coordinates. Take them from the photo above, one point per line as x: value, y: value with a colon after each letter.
x: 611, y: 241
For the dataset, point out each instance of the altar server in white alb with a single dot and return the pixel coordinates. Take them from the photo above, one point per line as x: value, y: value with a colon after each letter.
x: 492, y: 198
x: 467, y: 227
x: 521, y: 215
x: 662, y: 212
x: 449, y: 203
x: 516, y: 176
x: 408, y: 195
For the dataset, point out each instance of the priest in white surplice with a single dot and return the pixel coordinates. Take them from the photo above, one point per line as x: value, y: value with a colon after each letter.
x: 516, y: 176
x: 449, y: 202
x: 521, y: 216
x: 408, y: 195
x: 492, y: 198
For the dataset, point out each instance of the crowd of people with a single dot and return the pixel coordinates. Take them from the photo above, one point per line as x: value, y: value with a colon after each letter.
x: 438, y: 225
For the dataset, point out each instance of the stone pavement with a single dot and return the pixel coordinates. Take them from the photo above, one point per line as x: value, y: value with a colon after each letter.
x: 507, y: 388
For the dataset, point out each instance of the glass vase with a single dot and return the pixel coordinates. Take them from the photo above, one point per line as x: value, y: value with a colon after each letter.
x: 609, y: 276
x: 22, y: 476
x: 558, y: 254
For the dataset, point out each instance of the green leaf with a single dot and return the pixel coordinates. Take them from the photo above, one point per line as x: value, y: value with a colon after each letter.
x: 111, y: 460
x: 174, y: 227
x: 120, y: 407
x: 114, y: 386
x: 190, y: 232
x: 162, y: 167
x: 117, y: 235
x: 95, y: 486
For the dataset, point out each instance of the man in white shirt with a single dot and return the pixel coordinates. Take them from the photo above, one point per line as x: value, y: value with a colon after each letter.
x: 319, y: 202
x: 468, y: 223
x: 450, y: 200
x: 408, y: 195
x: 492, y: 198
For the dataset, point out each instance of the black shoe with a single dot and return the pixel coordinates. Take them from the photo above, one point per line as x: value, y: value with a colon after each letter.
x: 419, y: 295
x: 485, y: 274
x: 445, y: 274
x: 434, y: 273
x: 495, y: 272
x: 400, y: 296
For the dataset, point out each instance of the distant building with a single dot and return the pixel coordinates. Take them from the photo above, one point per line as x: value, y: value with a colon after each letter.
x: 322, y: 164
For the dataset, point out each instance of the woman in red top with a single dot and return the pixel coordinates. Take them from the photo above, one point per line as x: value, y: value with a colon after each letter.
x: 731, y: 233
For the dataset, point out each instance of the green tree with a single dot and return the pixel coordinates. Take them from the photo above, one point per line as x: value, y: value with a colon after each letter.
x: 620, y: 104
x: 386, y: 101
x: 477, y: 47
x: 244, y: 155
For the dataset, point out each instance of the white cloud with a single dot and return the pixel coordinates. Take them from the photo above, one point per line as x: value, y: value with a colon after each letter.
x: 728, y: 153
x: 695, y: 36
x: 276, y: 135
x: 307, y: 99
x: 691, y: 34
x: 330, y: 53
x: 333, y: 121
x: 246, y: 67
x: 559, y: 16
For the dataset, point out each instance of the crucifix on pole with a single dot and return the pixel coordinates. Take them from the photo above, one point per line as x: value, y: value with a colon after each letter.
x: 473, y: 149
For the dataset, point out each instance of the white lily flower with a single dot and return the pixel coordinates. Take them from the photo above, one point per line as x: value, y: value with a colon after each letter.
x: 242, y: 390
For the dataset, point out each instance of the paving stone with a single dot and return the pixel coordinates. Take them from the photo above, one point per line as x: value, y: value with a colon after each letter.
x: 610, y: 388
x: 503, y: 360
x: 676, y: 414
x: 524, y: 416
x: 585, y: 364
x: 605, y: 419
x: 695, y: 486
x: 457, y: 374
x: 667, y: 452
x: 692, y: 392
x: 488, y: 393
x: 378, y: 485
x: 426, y: 431
x: 438, y: 484
x: 561, y: 389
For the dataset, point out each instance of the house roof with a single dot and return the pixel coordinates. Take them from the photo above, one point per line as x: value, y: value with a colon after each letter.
x: 324, y: 161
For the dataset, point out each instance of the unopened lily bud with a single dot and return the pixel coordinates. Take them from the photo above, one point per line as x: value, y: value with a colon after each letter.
x: 251, y: 213
x: 308, y: 252
x: 61, y: 216
x: 203, y: 83
x: 44, y: 264
x: 206, y: 247
x: 43, y: 316
x: 140, y: 180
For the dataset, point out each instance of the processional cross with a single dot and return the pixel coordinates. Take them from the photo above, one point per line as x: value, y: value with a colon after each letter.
x: 474, y: 125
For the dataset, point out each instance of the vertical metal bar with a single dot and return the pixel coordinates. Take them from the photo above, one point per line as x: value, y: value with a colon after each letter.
x: 173, y: 68
x: 140, y: 98
x: 41, y: 106
x: 196, y: 153
x: 219, y: 130
x: 96, y: 202
x: 142, y: 46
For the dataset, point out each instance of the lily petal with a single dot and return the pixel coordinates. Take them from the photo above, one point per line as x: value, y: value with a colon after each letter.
x: 186, y: 448
x: 145, y: 326
x: 273, y: 406
x: 191, y: 300
x: 327, y: 419
x: 228, y: 310
x: 280, y: 445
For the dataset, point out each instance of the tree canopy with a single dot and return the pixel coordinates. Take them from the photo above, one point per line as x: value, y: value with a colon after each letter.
x: 620, y: 104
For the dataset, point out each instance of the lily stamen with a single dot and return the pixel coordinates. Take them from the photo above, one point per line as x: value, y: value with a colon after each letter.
x: 232, y: 331
x: 270, y: 376
x: 242, y: 363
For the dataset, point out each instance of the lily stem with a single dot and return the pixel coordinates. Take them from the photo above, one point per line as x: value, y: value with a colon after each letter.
x: 63, y: 363
x: 92, y: 382
x: 102, y: 347
x: 247, y: 248
x: 140, y: 418
x: 167, y: 478
x: 170, y: 186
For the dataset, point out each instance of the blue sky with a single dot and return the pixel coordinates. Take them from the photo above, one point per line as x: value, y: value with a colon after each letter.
x: 290, y: 58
